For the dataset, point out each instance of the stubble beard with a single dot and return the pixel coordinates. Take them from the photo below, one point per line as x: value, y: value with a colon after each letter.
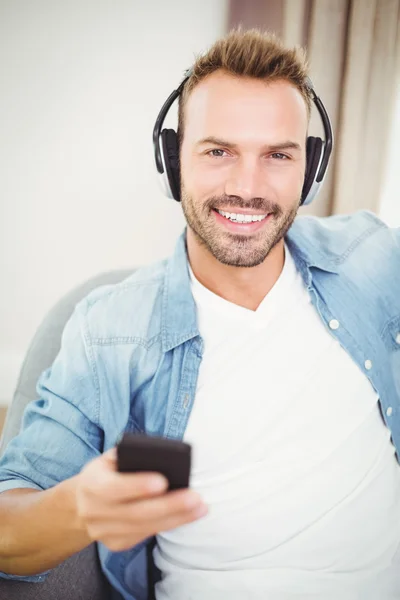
x: 231, y: 249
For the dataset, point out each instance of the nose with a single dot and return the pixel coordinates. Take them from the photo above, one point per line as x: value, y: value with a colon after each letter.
x: 246, y: 179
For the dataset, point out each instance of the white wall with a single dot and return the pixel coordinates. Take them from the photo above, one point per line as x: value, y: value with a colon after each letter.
x: 81, y: 83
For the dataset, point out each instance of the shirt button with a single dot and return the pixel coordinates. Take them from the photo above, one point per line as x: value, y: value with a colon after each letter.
x: 334, y: 324
x: 186, y: 401
x: 389, y: 411
x: 398, y: 338
x: 368, y: 364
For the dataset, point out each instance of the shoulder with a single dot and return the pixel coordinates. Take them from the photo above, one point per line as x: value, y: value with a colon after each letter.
x: 125, y: 309
x: 343, y: 238
x: 340, y: 231
x: 141, y: 281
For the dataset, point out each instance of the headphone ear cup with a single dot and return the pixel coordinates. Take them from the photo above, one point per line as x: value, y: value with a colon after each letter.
x: 170, y: 149
x: 313, y: 158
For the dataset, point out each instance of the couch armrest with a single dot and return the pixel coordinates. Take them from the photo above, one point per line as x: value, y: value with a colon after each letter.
x: 79, y: 578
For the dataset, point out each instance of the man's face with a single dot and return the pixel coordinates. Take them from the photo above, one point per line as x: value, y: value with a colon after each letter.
x: 242, y: 155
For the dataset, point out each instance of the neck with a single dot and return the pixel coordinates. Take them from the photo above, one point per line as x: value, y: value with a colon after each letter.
x: 244, y: 286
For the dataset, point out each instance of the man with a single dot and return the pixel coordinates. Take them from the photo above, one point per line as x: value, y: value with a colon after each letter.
x: 269, y: 342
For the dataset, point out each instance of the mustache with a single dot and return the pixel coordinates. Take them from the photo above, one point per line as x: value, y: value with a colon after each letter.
x: 260, y: 204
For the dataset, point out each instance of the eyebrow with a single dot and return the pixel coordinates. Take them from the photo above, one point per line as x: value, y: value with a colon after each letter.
x: 287, y: 145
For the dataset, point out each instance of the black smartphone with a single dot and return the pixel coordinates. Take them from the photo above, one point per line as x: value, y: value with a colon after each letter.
x: 172, y: 458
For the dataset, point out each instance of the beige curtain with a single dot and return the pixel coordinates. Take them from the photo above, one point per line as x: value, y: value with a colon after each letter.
x: 353, y: 50
x: 324, y: 35
x: 370, y: 82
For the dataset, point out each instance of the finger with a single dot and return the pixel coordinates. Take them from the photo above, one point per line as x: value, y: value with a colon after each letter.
x: 174, y: 521
x: 121, y: 535
x: 144, y: 512
x: 125, y: 484
x: 110, y: 456
x: 152, y: 510
x: 126, y: 487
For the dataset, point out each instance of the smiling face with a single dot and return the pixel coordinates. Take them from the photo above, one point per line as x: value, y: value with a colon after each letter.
x: 242, y: 165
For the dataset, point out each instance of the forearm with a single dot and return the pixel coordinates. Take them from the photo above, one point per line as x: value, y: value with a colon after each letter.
x: 39, y: 529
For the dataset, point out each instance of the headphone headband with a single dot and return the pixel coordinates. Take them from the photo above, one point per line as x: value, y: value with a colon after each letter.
x: 160, y: 121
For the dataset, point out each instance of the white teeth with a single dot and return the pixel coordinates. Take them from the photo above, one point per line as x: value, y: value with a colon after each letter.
x: 238, y: 218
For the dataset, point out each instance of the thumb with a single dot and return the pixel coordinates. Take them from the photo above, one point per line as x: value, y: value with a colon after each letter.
x: 110, y: 456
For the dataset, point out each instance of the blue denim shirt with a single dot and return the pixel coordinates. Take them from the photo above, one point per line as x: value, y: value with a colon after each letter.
x: 131, y: 353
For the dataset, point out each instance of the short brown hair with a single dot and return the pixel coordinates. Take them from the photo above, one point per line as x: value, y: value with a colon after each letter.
x: 250, y: 53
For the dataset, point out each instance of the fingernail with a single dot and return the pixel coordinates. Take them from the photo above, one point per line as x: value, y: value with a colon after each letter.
x: 157, y: 483
x: 193, y: 500
x: 201, y: 511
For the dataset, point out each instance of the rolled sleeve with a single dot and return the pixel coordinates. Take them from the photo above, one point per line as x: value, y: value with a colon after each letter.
x: 17, y: 484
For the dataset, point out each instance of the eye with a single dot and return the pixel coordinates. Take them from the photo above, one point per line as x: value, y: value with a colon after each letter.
x: 216, y: 153
x: 279, y: 156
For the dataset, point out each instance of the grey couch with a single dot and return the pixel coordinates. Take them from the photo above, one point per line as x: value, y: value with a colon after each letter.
x: 79, y: 577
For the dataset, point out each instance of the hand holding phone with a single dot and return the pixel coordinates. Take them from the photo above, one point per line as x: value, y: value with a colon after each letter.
x: 120, y: 498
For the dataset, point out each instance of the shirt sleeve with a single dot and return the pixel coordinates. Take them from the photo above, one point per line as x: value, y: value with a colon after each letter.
x: 60, y: 430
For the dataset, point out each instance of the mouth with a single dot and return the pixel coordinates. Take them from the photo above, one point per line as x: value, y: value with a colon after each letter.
x: 243, y: 222
x: 241, y: 217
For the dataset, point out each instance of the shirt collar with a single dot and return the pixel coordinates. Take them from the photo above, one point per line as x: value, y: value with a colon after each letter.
x: 179, y: 315
x: 310, y: 247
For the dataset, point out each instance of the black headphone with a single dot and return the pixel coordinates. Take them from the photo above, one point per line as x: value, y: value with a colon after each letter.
x: 166, y: 150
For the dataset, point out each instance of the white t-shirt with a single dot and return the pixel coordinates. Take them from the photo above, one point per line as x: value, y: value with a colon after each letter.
x: 292, y: 456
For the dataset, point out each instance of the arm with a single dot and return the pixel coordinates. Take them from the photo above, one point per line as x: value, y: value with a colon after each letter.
x: 39, y: 529
x: 60, y: 434
x: 78, y: 496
